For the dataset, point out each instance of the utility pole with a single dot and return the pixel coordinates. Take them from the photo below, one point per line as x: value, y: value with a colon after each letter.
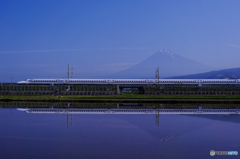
x: 68, y: 77
x: 72, y: 73
x: 11, y: 79
x: 157, y: 74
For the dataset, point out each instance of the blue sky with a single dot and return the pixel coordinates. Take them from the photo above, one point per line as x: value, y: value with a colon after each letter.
x: 45, y: 35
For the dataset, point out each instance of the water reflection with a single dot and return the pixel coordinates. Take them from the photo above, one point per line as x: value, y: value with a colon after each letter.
x: 130, y: 110
x: 202, y: 111
x: 102, y: 130
x: 218, y: 113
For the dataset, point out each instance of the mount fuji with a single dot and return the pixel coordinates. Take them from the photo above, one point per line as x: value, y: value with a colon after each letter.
x: 169, y: 63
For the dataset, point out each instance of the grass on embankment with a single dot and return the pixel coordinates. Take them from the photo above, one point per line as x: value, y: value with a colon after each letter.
x: 126, y: 98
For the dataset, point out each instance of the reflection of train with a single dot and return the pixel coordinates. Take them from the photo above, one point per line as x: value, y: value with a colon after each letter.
x: 132, y: 81
x: 130, y: 111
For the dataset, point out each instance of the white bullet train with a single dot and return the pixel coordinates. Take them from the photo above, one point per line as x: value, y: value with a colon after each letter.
x: 132, y: 81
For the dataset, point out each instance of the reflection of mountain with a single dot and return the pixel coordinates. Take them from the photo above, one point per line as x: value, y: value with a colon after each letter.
x: 170, y: 126
x: 233, y: 118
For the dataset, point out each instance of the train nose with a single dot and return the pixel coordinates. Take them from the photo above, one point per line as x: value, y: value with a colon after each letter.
x: 21, y: 82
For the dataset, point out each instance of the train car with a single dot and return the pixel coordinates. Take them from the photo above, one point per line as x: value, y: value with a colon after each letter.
x: 198, y: 82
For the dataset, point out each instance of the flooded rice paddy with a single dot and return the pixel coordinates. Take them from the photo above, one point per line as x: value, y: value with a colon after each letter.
x: 130, y: 130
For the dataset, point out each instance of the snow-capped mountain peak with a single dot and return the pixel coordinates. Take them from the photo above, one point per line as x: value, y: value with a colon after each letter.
x: 165, y: 52
x: 170, y: 65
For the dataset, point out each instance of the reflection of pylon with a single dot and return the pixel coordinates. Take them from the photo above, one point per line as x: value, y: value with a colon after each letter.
x: 67, y: 115
x: 10, y: 111
x: 67, y: 118
x: 157, y: 118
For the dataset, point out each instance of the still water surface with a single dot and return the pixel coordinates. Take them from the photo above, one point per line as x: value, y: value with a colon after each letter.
x: 54, y: 135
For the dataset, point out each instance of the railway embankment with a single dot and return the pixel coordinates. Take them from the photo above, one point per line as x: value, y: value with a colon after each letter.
x: 111, y: 90
x: 127, y: 98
